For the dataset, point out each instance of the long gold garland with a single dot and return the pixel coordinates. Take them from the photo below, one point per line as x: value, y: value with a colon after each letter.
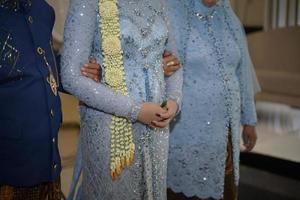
x: 121, y: 140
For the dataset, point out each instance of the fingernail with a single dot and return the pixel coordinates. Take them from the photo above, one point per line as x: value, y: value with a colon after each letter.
x: 84, y: 73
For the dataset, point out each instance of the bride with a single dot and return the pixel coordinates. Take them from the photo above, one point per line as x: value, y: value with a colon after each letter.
x: 124, y: 122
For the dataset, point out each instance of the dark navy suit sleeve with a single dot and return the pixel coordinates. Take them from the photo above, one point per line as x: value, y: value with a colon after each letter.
x: 58, y: 58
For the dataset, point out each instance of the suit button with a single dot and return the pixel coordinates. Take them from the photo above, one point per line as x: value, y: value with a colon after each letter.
x: 53, y: 140
x: 55, y: 166
x: 52, y: 113
x: 40, y: 51
x: 30, y: 19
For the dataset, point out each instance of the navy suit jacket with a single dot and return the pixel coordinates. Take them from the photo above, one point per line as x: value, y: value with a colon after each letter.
x: 30, y: 113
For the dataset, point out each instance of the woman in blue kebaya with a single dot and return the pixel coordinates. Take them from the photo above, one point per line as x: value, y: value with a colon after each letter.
x: 218, y: 97
x: 123, y: 156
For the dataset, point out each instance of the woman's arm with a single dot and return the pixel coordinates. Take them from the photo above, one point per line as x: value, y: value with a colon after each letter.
x: 245, y: 71
x: 80, y: 29
x: 248, y: 111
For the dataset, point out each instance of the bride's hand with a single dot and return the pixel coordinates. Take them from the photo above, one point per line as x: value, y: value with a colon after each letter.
x: 171, y: 110
x: 150, y: 112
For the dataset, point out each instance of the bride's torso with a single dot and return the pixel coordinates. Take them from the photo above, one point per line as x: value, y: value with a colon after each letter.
x: 143, y: 36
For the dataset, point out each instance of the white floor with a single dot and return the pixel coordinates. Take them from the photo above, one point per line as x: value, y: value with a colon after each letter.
x: 278, y: 131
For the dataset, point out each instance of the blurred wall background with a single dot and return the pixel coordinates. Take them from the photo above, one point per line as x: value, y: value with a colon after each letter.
x: 245, y: 10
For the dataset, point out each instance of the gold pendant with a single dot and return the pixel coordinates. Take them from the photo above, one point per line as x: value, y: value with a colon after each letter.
x: 52, y: 82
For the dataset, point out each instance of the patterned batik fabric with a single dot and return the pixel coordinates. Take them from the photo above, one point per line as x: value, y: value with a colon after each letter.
x: 44, y: 191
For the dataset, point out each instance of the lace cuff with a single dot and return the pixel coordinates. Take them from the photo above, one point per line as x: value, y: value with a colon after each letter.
x: 176, y: 96
x: 134, y: 111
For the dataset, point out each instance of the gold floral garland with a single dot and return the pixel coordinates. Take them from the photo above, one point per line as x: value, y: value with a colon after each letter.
x: 121, y: 140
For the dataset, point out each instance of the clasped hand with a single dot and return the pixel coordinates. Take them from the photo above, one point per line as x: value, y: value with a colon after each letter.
x: 155, y: 116
x: 151, y: 114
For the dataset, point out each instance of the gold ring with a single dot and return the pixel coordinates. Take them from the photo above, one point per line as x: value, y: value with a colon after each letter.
x: 171, y: 63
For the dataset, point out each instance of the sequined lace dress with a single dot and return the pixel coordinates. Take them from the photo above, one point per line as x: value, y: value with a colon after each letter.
x: 217, y: 93
x: 144, y: 36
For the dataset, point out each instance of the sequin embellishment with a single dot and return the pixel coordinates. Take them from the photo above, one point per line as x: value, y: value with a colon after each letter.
x: 121, y: 142
x: 16, y: 5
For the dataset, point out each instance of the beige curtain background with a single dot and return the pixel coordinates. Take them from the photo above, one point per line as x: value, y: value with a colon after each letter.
x: 61, y: 7
x: 250, y: 12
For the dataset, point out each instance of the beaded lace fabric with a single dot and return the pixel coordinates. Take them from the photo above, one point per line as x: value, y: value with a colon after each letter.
x: 144, y: 37
x: 218, y: 95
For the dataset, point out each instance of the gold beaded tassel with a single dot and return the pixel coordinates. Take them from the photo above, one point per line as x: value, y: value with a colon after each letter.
x: 121, y: 140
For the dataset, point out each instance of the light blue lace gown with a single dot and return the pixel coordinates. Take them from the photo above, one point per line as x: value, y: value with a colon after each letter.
x: 217, y: 94
x: 144, y: 36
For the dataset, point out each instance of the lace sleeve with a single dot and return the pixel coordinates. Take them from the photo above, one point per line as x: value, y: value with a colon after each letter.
x: 248, y: 115
x: 174, y: 83
x: 80, y: 29
x: 245, y: 71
